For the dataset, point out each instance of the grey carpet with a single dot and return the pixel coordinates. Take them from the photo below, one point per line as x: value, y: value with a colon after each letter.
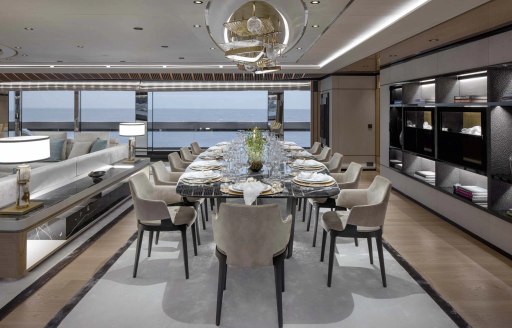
x: 161, y: 297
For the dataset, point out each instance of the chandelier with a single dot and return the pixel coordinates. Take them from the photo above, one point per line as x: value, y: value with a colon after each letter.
x: 254, y: 43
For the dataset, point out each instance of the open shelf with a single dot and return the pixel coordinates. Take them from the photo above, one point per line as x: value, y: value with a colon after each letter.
x: 418, y: 130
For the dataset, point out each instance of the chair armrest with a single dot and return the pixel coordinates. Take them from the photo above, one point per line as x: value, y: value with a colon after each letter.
x: 287, y: 226
x: 348, y: 185
x: 368, y: 215
x: 352, y: 197
x: 151, y: 210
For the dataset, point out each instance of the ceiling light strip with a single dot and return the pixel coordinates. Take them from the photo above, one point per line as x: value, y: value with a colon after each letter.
x: 385, y: 23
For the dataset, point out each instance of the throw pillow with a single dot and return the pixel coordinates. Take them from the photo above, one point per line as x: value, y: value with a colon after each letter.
x: 80, y: 148
x: 56, y: 146
x: 99, y: 144
x: 26, y: 132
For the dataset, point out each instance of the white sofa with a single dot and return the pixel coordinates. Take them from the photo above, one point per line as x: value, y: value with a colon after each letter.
x: 50, y: 175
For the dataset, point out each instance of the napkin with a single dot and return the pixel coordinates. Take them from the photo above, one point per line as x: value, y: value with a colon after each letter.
x: 252, y: 189
x: 313, y: 177
x: 306, y: 163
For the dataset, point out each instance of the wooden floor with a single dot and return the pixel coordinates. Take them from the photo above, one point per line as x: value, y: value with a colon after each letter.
x: 473, y: 278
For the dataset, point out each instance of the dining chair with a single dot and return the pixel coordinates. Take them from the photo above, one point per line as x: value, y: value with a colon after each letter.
x: 176, y: 164
x: 158, y: 208
x: 316, y: 148
x: 346, y: 180
x: 251, y: 236
x: 163, y: 177
x: 334, y: 163
x: 196, y: 150
x: 186, y: 154
x: 324, y: 155
x: 364, y: 219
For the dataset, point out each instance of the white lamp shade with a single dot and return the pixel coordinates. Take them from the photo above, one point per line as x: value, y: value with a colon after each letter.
x: 132, y: 129
x: 24, y: 149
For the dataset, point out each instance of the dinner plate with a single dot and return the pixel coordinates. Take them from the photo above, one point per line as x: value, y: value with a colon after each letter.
x: 237, y: 188
x: 304, y: 178
x: 313, y: 184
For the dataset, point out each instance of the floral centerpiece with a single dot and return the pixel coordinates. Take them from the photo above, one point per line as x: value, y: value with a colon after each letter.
x: 255, y: 145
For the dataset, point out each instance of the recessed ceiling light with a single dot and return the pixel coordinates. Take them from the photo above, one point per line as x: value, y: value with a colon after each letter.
x: 80, y: 46
x: 198, y: 2
x: 433, y: 40
x: 181, y: 58
x: 212, y: 48
x: 122, y: 61
x: 59, y: 61
x: 315, y: 2
x: 138, y: 28
x: 29, y: 28
x: 51, y: 66
x: 299, y: 48
x: 164, y: 66
x: 24, y: 55
x: 17, y: 47
x: 315, y: 26
x: 220, y: 66
x: 197, y: 25
x: 107, y: 66
x: 164, y: 46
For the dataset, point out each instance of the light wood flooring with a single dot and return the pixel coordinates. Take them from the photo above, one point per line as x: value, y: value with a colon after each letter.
x: 473, y: 278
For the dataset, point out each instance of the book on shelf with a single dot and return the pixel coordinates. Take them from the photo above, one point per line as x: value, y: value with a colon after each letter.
x: 426, y: 174
x: 475, y: 194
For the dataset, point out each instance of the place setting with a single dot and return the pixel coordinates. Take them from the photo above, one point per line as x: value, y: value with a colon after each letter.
x: 313, y: 179
x: 206, y: 165
x: 201, y: 177
x: 307, y: 165
x: 252, y: 188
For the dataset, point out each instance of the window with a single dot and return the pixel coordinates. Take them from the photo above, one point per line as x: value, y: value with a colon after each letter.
x: 207, y: 117
x: 47, y: 110
x: 297, y: 117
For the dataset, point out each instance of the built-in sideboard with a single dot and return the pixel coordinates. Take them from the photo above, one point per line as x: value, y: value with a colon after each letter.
x: 453, y: 133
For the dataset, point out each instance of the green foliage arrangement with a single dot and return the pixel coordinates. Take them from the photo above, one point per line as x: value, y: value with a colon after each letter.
x: 255, y: 145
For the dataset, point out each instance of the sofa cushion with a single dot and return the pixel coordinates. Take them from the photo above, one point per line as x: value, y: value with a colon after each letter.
x: 54, y: 135
x: 80, y: 148
x: 56, y: 147
x: 26, y: 132
x: 98, y: 144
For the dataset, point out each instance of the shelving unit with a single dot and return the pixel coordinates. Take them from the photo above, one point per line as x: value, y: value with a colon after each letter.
x: 458, y: 129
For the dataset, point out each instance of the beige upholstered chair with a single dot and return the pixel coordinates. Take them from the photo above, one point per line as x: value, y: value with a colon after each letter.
x: 153, y: 213
x: 163, y: 177
x: 196, y: 150
x: 364, y: 219
x: 186, y: 154
x: 325, y: 155
x: 251, y: 236
x: 316, y: 148
x: 346, y: 180
x: 176, y: 164
x: 334, y: 164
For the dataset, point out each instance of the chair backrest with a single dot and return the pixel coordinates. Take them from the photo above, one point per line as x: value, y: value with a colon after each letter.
x: 146, y: 208
x: 373, y: 213
x: 325, y: 154
x: 162, y: 176
x: 196, y: 150
x: 250, y: 235
x: 334, y: 164
x: 315, y: 149
x: 176, y: 163
x: 186, y: 154
x: 350, y: 178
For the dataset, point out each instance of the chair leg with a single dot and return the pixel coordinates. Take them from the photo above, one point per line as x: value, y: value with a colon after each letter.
x: 225, y: 274
x: 193, y: 229
x: 197, y: 234
x: 220, y: 285
x: 137, y: 250
x: 185, y: 251
x: 313, y: 207
x: 317, y: 214
x: 150, y: 243
x: 324, y: 238
x: 205, y: 205
x: 212, y: 203
x: 370, y: 250
x: 203, y: 218
x: 381, y: 259
x: 304, y: 209
x: 299, y: 203
x: 331, y: 259
x: 279, y: 296
x: 356, y: 241
x: 157, y: 237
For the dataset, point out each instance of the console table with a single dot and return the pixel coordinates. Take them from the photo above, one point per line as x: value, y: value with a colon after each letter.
x: 28, y: 239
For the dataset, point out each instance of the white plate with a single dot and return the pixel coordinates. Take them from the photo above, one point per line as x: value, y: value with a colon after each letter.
x: 238, y: 188
x: 318, y: 178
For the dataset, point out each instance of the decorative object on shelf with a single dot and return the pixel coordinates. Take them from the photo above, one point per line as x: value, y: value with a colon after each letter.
x: 475, y: 130
x: 22, y: 150
x: 254, y: 145
x: 255, y: 43
x: 131, y: 130
x: 470, y: 99
x: 475, y: 194
x: 427, y: 176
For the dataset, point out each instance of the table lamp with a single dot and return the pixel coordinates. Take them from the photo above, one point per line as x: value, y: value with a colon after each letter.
x: 22, y: 150
x: 131, y: 130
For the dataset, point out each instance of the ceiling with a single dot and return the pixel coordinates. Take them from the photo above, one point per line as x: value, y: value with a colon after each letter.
x: 83, y: 38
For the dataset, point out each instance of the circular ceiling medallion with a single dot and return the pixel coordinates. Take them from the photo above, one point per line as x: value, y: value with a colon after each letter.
x: 6, y: 52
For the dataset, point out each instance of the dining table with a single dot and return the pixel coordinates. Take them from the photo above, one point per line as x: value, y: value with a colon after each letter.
x: 282, y: 184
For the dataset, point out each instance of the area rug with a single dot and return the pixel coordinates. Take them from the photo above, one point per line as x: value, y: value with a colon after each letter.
x: 160, y: 296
